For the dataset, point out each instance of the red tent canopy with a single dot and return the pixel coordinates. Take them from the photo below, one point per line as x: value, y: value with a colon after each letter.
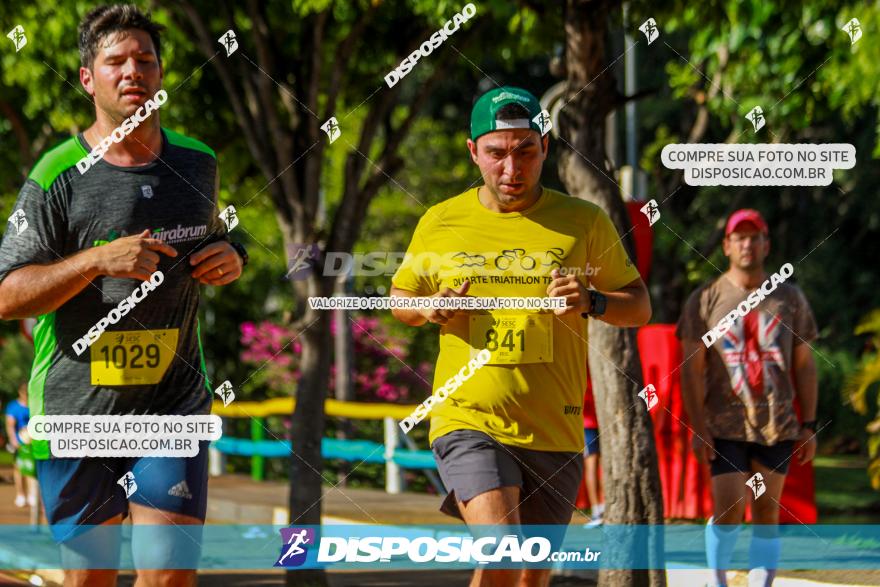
x: 643, y: 235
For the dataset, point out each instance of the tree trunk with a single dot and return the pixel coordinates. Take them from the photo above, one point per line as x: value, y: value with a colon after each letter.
x: 306, y: 461
x: 343, y: 354
x: 629, y: 460
x: 25, y: 149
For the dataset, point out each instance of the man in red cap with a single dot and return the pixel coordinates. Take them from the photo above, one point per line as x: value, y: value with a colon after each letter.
x: 746, y: 337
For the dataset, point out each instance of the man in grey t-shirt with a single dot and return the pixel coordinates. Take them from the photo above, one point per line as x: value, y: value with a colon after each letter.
x: 739, y: 383
x: 108, y: 250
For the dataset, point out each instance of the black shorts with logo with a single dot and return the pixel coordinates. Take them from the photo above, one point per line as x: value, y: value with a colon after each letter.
x: 735, y: 456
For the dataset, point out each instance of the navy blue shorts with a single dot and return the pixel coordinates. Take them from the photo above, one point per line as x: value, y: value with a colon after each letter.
x: 591, y: 441
x: 735, y: 456
x: 85, y: 491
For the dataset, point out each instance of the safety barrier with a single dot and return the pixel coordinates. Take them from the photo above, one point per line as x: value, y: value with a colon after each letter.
x: 258, y: 448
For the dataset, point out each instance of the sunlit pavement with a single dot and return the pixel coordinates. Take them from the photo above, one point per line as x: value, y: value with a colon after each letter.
x: 9, y: 514
x: 677, y: 578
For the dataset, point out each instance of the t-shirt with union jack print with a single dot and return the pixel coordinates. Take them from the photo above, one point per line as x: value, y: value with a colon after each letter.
x: 749, y: 384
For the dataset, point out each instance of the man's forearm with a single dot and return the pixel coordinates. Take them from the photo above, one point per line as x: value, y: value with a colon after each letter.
x: 807, y: 390
x: 693, y: 386
x: 409, y: 317
x: 35, y: 290
x: 693, y: 392
x: 630, y: 306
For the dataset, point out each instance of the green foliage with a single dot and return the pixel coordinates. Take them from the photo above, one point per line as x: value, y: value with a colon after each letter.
x: 771, y: 48
x: 795, y: 61
x: 792, y: 58
x: 843, y: 491
x: 860, y: 388
x: 843, y: 427
x: 16, y: 356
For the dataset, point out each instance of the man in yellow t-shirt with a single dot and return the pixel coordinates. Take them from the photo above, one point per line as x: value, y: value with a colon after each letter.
x: 508, y: 440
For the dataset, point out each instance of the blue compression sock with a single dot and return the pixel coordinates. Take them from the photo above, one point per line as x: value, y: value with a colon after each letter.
x: 720, y: 542
x: 764, y: 556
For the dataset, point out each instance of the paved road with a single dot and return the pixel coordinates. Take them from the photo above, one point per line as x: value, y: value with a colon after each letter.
x: 10, y: 579
x: 407, y: 508
x: 355, y: 579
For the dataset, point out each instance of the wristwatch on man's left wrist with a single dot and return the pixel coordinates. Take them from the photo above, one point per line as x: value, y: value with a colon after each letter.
x: 242, y: 252
x: 809, y: 425
x: 598, y: 302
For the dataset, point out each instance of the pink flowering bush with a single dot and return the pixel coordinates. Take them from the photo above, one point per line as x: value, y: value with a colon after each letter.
x: 268, y: 347
x: 381, y: 369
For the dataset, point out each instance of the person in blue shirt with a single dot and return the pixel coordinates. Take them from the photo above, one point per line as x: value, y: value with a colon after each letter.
x: 17, y: 415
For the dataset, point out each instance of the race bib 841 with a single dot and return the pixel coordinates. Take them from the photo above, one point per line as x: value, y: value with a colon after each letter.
x: 513, y: 338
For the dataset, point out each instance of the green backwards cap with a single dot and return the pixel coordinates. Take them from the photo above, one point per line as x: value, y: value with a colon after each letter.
x: 487, y: 107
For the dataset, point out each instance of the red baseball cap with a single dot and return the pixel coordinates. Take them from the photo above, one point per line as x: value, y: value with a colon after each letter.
x: 745, y: 215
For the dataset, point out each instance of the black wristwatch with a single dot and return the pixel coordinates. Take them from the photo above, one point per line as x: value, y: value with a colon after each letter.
x: 242, y: 252
x: 811, y: 426
x: 597, y: 304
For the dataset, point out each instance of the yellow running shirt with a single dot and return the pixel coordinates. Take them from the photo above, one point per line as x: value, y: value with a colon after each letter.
x: 531, y: 393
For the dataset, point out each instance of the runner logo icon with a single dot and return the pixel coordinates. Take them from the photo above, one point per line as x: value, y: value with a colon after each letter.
x: 295, y: 549
x: 756, y: 117
x: 650, y: 30
x: 652, y: 211
x: 331, y: 127
x: 226, y: 393
x: 229, y: 217
x: 649, y: 394
x: 128, y: 483
x: 302, y: 257
x: 756, y: 483
x: 543, y: 121
x: 229, y: 42
x: 19, y: 221
x: 18, y: 38
x: 853, y: 28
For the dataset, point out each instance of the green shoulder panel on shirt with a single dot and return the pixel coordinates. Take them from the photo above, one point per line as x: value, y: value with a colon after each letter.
x: 45, y: 344
x: 55, y: 161
x: 177, y: 139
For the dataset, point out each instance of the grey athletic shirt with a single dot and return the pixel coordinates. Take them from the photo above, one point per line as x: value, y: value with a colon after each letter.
x: 65, y: 212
